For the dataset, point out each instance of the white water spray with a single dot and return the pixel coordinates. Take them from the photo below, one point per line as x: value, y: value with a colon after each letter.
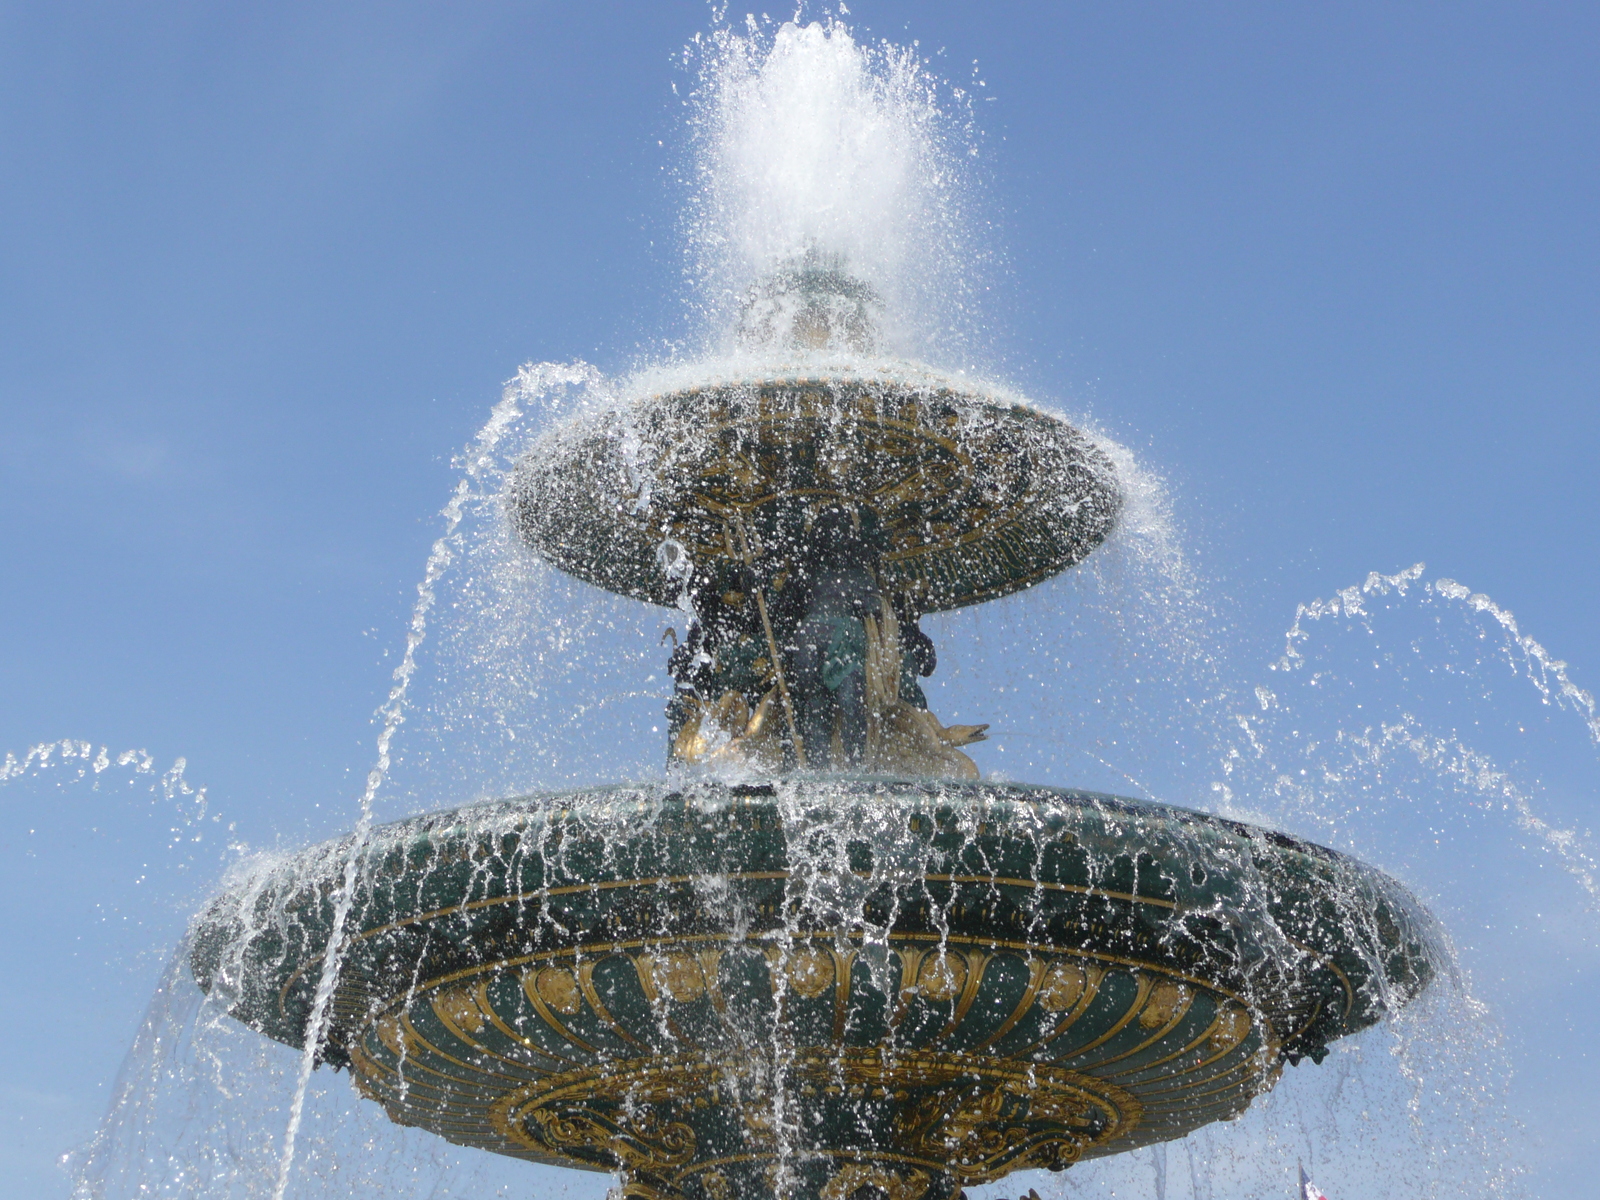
x: 476, y: 460
x: 1448, y: 754
x: 807, y: 142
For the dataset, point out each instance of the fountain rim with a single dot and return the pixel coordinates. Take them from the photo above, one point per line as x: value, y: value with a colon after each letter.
x: 711, y: 796
x: 689, y: 785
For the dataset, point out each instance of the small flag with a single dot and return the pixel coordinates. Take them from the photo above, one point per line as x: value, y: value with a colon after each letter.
x: 1309, y: 1190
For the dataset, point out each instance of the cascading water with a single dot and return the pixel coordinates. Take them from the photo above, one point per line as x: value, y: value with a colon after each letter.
x: 820, y: 160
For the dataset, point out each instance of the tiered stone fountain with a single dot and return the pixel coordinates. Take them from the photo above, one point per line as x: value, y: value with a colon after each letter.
x: 833, y: 964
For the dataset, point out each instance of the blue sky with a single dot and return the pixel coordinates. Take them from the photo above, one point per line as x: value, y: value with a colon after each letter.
x: 1328, y: 269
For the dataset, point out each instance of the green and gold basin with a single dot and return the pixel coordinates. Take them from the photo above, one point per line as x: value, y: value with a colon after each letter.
x: 818, y: 987
x: 974, y: 498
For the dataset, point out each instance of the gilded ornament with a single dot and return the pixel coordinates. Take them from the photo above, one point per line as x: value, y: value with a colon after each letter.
x: 636, y: 1189
x: 1166, y: 1003
x: 558, y: 988
x: 680, y: 976
x: 911, y: 1184
x: 636, y: 1143
x: 977, y: 499
x: 458, y: 1006
x: 942, y: 976
x: 1063, y: 986
x: 811, y: 971
x: 999, y: 1045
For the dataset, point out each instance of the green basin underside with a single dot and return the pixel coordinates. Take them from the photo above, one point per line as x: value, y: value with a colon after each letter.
x: 817, y: 986
x: 974, y: 499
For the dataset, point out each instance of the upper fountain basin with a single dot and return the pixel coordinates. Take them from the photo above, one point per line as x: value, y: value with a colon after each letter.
x: 973, y: 497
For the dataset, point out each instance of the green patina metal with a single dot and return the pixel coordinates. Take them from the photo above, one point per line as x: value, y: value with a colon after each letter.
x: 975, y: 499
x: 814, y: 986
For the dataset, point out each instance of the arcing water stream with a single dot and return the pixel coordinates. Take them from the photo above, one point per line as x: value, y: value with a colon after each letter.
x: 1410, y: 724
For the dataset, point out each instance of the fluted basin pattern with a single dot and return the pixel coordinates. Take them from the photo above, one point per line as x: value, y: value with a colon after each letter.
x: 815, y: 986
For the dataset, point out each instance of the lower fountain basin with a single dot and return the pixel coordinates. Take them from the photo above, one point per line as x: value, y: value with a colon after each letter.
x: 818, y: 987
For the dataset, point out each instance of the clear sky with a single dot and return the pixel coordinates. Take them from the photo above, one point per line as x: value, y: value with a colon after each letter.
x: 1331, y: 270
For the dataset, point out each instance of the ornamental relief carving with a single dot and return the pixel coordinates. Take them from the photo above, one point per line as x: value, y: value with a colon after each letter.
x: 585, y: 1132
x: 957, y: 1111
x: 909, y: 1184
x: 978, y: 1113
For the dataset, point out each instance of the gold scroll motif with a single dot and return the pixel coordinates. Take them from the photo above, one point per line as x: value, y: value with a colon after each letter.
x: 811, y: 442
x: 976, y: 1118
x: 391, y: 1035
x: 902, y: 739
x: 637, y: 1189
x: 609, y: 1116
x: 911, y: 1184
x: 986, y: 1129
x: 975, y: 499
x: 982, y: 1119
x: 635, y: 1143
x: 960, y: 487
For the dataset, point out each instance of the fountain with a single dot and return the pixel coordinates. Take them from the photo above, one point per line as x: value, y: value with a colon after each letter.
x: 823, y: 957
x: 828, y: 967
